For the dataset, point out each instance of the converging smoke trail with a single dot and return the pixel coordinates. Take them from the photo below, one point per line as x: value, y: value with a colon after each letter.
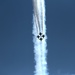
x: 39, y: 46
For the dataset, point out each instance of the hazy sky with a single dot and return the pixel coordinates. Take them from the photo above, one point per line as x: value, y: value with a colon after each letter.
x: 16, y: 45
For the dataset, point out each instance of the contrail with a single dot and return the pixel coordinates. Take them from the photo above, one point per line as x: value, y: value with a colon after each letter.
x: 40, y: 50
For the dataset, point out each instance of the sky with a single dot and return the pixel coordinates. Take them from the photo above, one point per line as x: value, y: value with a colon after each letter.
x: 16, y: 39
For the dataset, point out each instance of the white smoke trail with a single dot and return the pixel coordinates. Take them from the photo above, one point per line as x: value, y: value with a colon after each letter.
x: 40, y: 47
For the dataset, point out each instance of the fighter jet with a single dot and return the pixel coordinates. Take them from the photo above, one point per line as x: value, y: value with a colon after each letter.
x: 40, y: 36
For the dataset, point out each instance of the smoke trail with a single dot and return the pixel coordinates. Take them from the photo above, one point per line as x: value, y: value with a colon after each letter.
x: 39, y: 47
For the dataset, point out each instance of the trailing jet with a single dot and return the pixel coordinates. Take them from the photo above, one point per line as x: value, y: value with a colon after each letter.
x: 40, y: 36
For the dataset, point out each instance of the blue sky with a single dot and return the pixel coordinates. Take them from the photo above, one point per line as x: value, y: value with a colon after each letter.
x: 16, y: 45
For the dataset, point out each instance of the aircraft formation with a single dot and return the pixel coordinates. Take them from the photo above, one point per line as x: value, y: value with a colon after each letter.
x: 40, y: 36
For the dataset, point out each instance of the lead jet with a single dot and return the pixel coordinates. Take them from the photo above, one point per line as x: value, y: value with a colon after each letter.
x: 38, y: 21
